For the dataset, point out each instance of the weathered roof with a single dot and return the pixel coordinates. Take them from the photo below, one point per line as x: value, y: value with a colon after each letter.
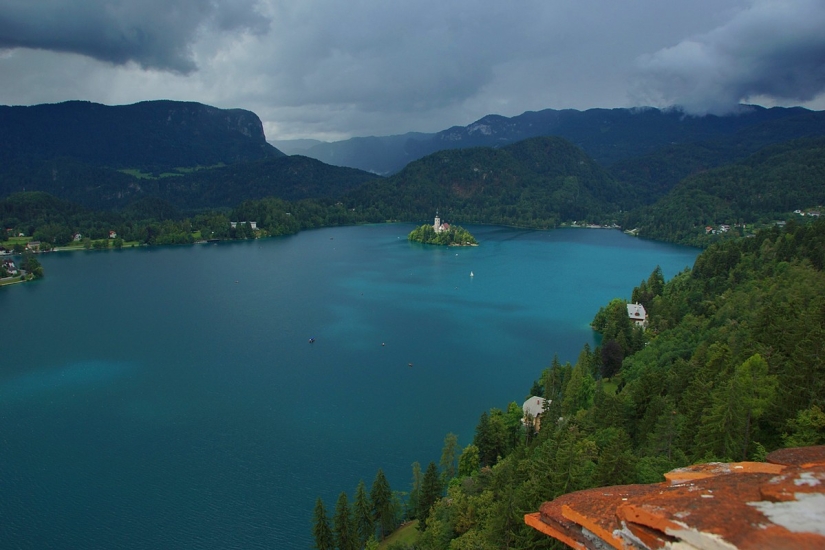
x: 746, y: 505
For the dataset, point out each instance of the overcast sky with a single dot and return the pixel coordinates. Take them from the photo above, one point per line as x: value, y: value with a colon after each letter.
x: 329, y: 69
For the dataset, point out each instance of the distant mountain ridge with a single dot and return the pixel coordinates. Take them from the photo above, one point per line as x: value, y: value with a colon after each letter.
x: 606, y: 135
x: 148, y: 135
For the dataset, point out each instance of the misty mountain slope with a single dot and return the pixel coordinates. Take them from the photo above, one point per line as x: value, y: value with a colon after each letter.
x: 607, y: 135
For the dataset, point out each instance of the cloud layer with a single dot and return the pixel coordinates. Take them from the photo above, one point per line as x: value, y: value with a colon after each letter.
x: 330, y: 70
x: 155, y: 34
x: 773, y: 49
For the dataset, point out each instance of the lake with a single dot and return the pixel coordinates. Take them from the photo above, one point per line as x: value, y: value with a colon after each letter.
x: 169, y: 397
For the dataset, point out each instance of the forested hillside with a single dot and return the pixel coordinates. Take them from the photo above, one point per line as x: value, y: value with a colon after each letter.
x: 103, y: 188
x: 730, y: 367
x: 538, y: 182
x: 766, y: 186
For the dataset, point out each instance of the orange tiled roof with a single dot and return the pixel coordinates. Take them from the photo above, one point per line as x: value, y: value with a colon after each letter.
x: 745, y: 505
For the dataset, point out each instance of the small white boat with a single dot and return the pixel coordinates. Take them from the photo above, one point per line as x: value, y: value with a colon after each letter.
x: 471, y: 274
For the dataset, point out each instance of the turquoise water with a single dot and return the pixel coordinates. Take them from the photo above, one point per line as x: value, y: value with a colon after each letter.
x: 169, y: 397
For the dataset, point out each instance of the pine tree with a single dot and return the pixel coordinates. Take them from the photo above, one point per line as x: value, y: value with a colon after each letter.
x: 362, y: 514
x: 382, y: 504
x: 736, y: 404
x: 617, y: 464
x: 415, y: 491
x: 579, y: 392
x: 345, y: 538
x: 321, y: 531
x: 448, y: 456
x: 430, y: 492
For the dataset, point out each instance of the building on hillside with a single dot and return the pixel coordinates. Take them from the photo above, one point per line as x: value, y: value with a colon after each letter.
x: 9, y: 267
x: 637, y: 314
x: 252, y: 225
x: 532, y: 410
x: 438, y: 226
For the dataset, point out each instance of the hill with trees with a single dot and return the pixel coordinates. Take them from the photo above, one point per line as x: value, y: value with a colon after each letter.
x: 223, y: 186
x: 538, y: 182
x: 764, y: 187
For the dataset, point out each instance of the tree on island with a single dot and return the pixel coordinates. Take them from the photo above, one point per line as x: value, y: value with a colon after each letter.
x: 453, y: 236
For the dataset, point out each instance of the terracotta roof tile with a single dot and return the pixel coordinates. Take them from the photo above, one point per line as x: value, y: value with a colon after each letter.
x: 744, y: 505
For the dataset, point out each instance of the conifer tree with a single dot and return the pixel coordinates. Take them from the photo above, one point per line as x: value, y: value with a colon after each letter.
x: 382, y: 504
x: 430, y: 492
x: 737, y: 402
x: 324, y: 539
x: 448, y: 457
x: 617, y: 464
x: 362, y: 514
x: 345, y: 538
x: 579, y: 392
x: 415, y: 491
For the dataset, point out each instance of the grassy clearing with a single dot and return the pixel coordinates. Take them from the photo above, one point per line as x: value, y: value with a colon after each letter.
x: 406, y: 534
x: 16, y: 240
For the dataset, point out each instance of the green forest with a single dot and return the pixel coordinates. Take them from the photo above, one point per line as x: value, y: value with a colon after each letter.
x: 729, y: 368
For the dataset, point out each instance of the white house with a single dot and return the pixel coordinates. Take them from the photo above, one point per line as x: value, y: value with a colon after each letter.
x: 637, y: 314
x: 532, y: 408
x: 252, y: 225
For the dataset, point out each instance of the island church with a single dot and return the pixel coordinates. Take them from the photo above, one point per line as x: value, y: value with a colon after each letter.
x: 438, y: 226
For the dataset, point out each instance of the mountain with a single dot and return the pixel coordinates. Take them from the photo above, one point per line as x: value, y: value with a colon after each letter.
x: 607, y: 135
x: 538, y: 182
x: 189, y: 154
x: 151, y: 135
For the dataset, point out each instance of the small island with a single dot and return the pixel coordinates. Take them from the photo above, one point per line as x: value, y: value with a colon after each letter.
x: 442, y: 234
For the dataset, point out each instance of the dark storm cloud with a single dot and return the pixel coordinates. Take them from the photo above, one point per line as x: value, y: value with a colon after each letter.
x: 152, y: 33
x: 774, y: 49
